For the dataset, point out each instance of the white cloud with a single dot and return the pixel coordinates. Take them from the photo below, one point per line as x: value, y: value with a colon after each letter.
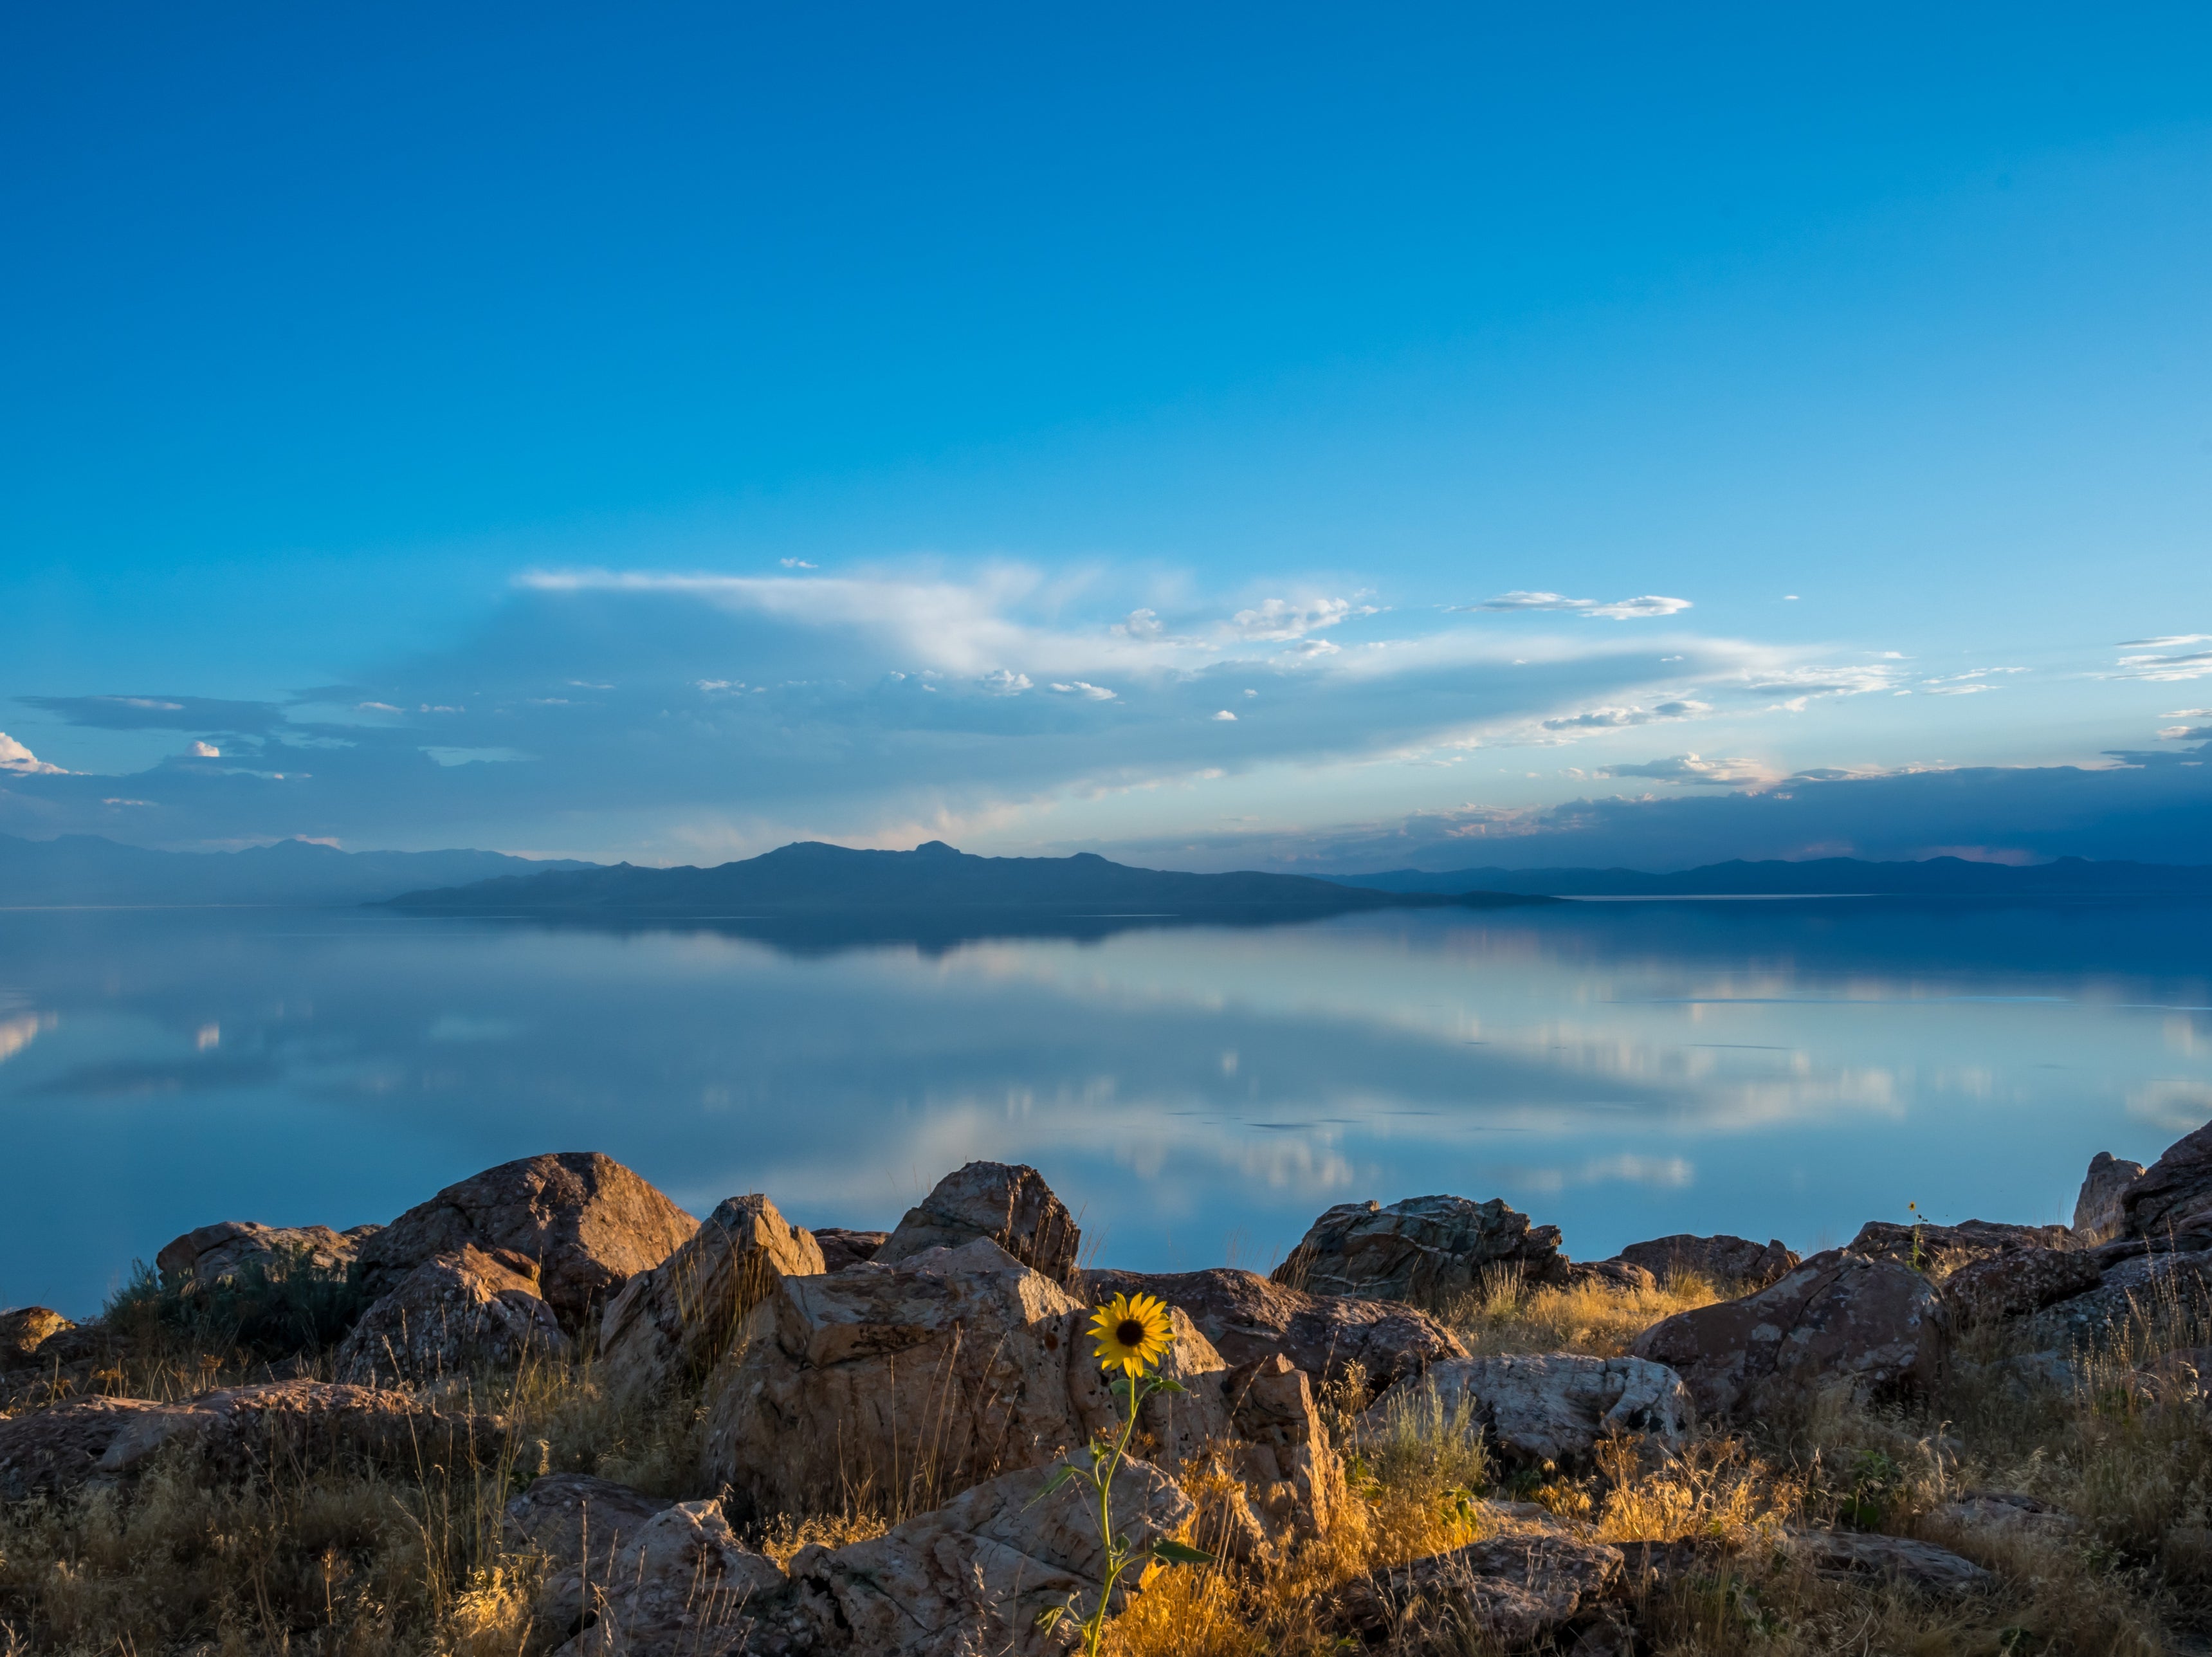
x: 1694, y: 768
x: 1800, y: 684
x: 1618, y: 718
x: 2167, y: 668
x: 204, y: 750
x: 1285, y: 618
x: 1310, y: 648
x: 1619, y: 610
x: 2169, y: 641
x: 1094, y: 693
x: 21, y: 761
x: 1225, y: 714
x: 1003, y: 683
x: 1142, y: 624
x: 794, y: 563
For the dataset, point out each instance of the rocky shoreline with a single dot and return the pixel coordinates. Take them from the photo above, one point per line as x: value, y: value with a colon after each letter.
x: 937, y: 1374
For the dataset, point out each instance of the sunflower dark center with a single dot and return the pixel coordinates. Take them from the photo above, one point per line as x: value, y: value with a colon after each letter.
x: 1129, y: 1333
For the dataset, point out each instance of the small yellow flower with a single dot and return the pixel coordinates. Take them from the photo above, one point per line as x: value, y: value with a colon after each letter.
x: 1133, y: 1330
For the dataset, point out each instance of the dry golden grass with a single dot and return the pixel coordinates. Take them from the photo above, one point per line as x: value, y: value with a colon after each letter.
x: 1509, y: 1315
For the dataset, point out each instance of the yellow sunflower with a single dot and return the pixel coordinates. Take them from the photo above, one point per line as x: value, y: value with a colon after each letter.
x: 1133, y: 1330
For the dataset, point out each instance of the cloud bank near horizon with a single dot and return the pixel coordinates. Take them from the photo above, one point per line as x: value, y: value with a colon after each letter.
x: 676, y: 716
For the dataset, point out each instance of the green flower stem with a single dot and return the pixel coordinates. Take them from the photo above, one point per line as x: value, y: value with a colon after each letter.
x: 1117, y: 1556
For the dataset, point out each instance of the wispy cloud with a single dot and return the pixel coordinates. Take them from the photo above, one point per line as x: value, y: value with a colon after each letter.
x: 2161, y: 661
x: 1290, y: 618
x: 1693, y: 768
x: 1621, y: 718
x: 1618, y: 610
x: 21, y: 761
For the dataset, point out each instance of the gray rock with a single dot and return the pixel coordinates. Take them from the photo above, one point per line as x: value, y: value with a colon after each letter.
x: 1920, y: 1565
x: 681, y: 1584
x: 1612, y: 1276
x: 913, y: 1380
x: 588, y: 1223
x: 1009, y: 1204
x: 580, y: 1524
x: 1723, y: 1260
x: 454, y: 1314
x: 2019, y: 1281
x: 1247, y: 1317
x: 1872, y: 1327
x: 2098, y: 1216
x: 2144, y: 1291
x: 1424, y: 1248
x: 840, y: 1247
x: 669, y: 1326
x: 1551, y: 1410
x: 972, y: 1577
x: 1940, y: 1250
x: 2008, y: 1513
x: 1510, y: 1591
x: 2170, y: 1196
x: 213, y: 1253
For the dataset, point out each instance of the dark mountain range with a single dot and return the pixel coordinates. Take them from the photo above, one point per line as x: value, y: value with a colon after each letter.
x: 79, y: 869
x: 2069, y: 877
x: 811, y: 879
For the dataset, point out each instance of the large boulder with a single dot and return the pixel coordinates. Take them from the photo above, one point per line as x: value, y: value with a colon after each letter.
x: 454, y: 1314
x: 671, y: 1325
x: 2172, y: 1195
x: 1009, y: 1204
x: 589, y: 1223
x: 1507, y: 1592
x: 1940, y: 1250
x: 1547, y: 1410
x: 1722, y: 1258
x: 2019, y: 1281
x: 976, y: 1575
x: 213, y: 1253
x: 1921, y: 1566
x: 842, y: 1248
x: 1249, y: 1317
x: 240, y: 1430
x: 24, y: 1330
x: 1292, y: 1485
x: 1873, y: 1327
x: 580, y: 1524
x: 1424, y: 1248
x: 900, y: 1384
x: 2139, y: 1290
x: 2099, y: 1214
x: 681, y: 1583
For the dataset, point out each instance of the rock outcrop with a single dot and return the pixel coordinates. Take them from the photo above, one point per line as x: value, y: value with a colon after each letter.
x: 681, y: 1583
x: 2019, y: 1281
x: 1842, y: 1318
x: 212, y: 1252
x: 1611, y: 1277
x: 2173, y: 1195
x: 1424, y: 1248
x: 589, y: 1223
x: 908, y: 1381
x: 239, y: 1430
x: 24, y: 1330
x: 671, y: 1325
x: 2134, y: 1289
x: 453, y: 1315
x: 1940, y: 1250
x: 974, y: 1576
x: 580, y: 1524
x: 1920, y: 1565
x: 2099, y: 1215
x: 1511, y: 1592
x: 1009, y: 1204
x: 1249, y: 1317
x: 1281, y: 1455
x: 840, y: 1247
x: 1723, y: 1259
x: 1549, y: 1411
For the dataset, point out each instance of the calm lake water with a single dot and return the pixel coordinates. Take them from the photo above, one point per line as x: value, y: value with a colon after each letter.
x: 1198, y: 1095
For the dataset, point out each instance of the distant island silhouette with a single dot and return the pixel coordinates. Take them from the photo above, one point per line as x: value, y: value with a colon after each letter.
x: 810, y: 879
x: 1941, y: 876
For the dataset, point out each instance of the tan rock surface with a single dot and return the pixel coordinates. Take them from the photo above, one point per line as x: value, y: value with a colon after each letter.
x: 1008, y: 1203
x: 1511, y: 1591
x: 681, y: 1586
x: 1722, y: 1258
x: 453, y: 1315
x: 589, y: 1223
x: 2099, y: 1214
x: 1425, y: 1249
x: 1249, y: 1317
x: 671, y: 1325
x: 1549, y: 1410
x: 903, y: 1383
x: 212, y: 1252
x: 1873, y: 1327
x: 580, y: 1524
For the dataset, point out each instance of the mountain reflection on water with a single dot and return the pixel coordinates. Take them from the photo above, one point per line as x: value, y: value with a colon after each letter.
x: 1196, y: 1093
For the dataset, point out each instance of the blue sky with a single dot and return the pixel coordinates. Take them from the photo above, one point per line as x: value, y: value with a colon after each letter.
x: 1552, y: 436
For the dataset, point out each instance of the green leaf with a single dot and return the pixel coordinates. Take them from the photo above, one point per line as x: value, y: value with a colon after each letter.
x: 1049, y: 1619
x: 1180, y: 1553
x: 1168, y: 1384
x: 1058, y: 1478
